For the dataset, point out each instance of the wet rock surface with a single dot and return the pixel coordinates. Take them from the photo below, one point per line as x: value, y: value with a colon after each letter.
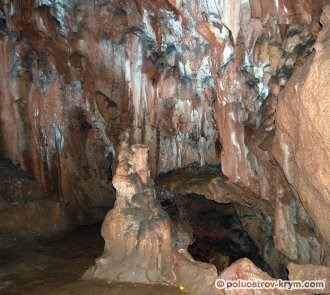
x: 55, y: 265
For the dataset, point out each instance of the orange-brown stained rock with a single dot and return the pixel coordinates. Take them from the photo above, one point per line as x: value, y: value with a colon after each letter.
x: 302, y: 121
x: 245, y: 270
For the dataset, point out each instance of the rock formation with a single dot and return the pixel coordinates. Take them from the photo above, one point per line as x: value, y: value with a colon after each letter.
x: 142, y: 246
x: 233, y: 84
x: 137, y: 231
x: 244, y: 269
x: 196, y: 83
x: 140, y: 243
x: 26, y: 210
x: 302, y: 123
x: 309, y: 272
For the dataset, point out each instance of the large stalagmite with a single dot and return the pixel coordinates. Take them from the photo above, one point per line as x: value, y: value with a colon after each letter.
x: 137, y: 231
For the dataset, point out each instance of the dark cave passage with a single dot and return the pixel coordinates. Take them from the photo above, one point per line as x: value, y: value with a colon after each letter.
x: 218, y: 236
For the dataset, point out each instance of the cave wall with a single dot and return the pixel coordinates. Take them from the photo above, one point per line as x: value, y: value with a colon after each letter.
x: 302, y: 138
x: 196, y: 82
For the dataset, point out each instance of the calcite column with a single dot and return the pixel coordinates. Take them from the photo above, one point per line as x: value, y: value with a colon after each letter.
x: 137, y: 231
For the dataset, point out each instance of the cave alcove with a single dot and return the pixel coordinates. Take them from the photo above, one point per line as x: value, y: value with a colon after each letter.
x: 216, y: 231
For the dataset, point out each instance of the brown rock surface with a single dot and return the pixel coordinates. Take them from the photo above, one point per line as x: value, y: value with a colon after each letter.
x: 302, y: 137
x: 206, y: 181
x: 26, y: 210
x: 281, y: 229
x: 141, y: 246
x: 309, y: 272
x: 139, y: 238
x: 196, y: 277
x: 195, y: 82
x: 244, y: 269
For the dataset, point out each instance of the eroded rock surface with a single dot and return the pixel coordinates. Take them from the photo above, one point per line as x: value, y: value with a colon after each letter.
x: 196, y: 82
x: 143, y: 245
x: 282, y: 231
x: 137, y: 231
x: 244, y: 269
x: 302, y: 137
x: 140, y: 242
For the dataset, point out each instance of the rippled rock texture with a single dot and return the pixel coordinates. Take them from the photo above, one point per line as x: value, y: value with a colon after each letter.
x: 198, y: 82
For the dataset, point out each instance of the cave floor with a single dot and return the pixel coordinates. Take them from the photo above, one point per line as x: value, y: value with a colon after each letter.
x: 55, y: 265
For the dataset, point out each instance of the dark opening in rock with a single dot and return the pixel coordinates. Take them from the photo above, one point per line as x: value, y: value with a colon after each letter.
x: 3, y: 22
x: 217, y: 234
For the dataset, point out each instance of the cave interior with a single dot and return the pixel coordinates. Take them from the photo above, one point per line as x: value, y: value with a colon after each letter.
x: 155, y: 147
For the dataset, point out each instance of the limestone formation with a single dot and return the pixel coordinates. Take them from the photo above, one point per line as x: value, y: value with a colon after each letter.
x: 137, y: 231
x: 231, y: 96
x: 302, y: 137
x: 140, y: 243
x: 199, y: 86
x: 244, y: 269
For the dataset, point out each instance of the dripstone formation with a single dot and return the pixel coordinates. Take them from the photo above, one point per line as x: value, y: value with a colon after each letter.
x: 137, y: 231
x: 141, y: 243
